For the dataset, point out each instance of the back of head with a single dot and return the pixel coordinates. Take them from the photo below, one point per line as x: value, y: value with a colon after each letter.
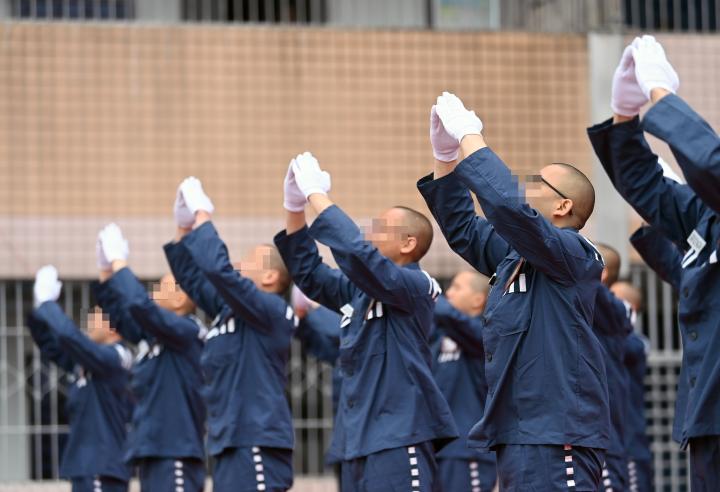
x: 612, y: 263
x: 627, y: 292
x: 273, y: 262
x: 578, y: 187
x: 419, y: 227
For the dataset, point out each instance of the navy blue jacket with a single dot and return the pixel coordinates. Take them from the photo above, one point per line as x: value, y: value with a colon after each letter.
x: 459, y: 369
x: 612, y: 326
x: 169, y: 416
x: 246, y: 350
x: 319, y: 333
x: 637, y: 441
x: 99, y: 402
x: 389, y: 398
x: 659, y: 253
x: 543, y: 363
x: 683, y: 217
x: 693, y: 142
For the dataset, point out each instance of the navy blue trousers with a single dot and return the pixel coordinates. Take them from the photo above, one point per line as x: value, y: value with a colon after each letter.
x: 640, y: 476
x: 253, y: 469
x: 705, y: 464
x: 171, y: 475
x: 406, y: 469
x: 458, y: 475
x: 526, y: 468
x: 98, y: 484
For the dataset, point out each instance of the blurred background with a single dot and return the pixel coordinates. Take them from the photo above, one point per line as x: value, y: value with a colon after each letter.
x: 105, y: 105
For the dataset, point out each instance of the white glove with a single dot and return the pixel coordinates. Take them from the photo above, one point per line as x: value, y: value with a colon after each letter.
x: 308, y: 175
x: 299, y: 300
x: 668, y: 171
x: 445, y: 146
x: 652, y: 68
x: 114, y: 245
x: 456, y: 119
x: 102, y: 262
x: 47, y: 286
x: 293, y: 199
x: 195, y: 197
x: 183, y: 216
x: 627, y: 96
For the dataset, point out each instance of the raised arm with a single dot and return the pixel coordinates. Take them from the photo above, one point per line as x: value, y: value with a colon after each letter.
x: 659, y: 253
x: 470, y: 236
x: 100, y: 359
x: 465, y: 330
x: 209, y: 252
x: 167, y: 327
x: 190, y: 277
x: 325, y: 285
x: 694, y: 143
x: 47, y: 342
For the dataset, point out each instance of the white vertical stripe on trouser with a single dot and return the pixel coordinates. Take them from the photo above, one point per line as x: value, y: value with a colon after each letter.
x: 414, y: 470
x: 474, y: 476
x: 569, y: 469
x: 606, y: 481
x: 179, y: 476
x: 97, y: 484
x: 632, y: 473
x: 259, y: 468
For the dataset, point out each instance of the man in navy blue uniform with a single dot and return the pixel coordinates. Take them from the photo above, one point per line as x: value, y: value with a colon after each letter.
x: 319, y: 332
x: 688, y: 216
x: 250, y: 432
x: 547, y: 414
x: 392, y: 417
x: 612, y: 325
x: 99, y: 402
x: 166, y: 439
x: 637, y: 347
x: 459, y: 369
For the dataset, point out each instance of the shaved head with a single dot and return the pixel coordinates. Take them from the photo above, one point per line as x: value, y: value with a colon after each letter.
x: 576, y: 186
x: 478, y: 282
x: 275, y: 262
x: 266, y: 268
x: 612, y: 262
x: 627, y: 292
x: 419, y: 227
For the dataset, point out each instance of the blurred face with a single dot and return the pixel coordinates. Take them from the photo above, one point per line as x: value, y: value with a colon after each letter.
x: 541, y: 196
x: 463, y: 296
x: 389, y: 235
x: 168, y: 294
x: 255, y: 265
x: 98, y: 327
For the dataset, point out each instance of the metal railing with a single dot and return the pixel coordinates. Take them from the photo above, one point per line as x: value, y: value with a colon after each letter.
x: 32, y: 393
x: 73, y: 10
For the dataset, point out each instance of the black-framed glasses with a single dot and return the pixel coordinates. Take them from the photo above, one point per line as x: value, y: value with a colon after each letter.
x: 563, y: 195
x: 537, y: 178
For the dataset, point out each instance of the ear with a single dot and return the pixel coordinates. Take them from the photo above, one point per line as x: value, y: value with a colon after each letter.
x: 604, y: 275
x: 563, y: 208
x: 409, y: 245
x: 479, y: 300
x: 270, y: 277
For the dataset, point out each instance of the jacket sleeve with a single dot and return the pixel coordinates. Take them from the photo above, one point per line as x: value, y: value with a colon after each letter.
x: 166, y: 326
x: 373, y: 273
x: 659, y: 253
x: 115, y: 306
x: 319, y: 332
x: 48, y: 343
x: 694, y: 143
x: 328, y: 286
x: 615, y: 311
x: 260, y: 309
x: 103, y: 360
x: 672, y: 207
x: 558, y: 253
x: 470, y: 236
x: 465, y: 330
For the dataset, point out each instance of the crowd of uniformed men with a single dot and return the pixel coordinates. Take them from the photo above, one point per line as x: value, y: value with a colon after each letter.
x: 525, y: 374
